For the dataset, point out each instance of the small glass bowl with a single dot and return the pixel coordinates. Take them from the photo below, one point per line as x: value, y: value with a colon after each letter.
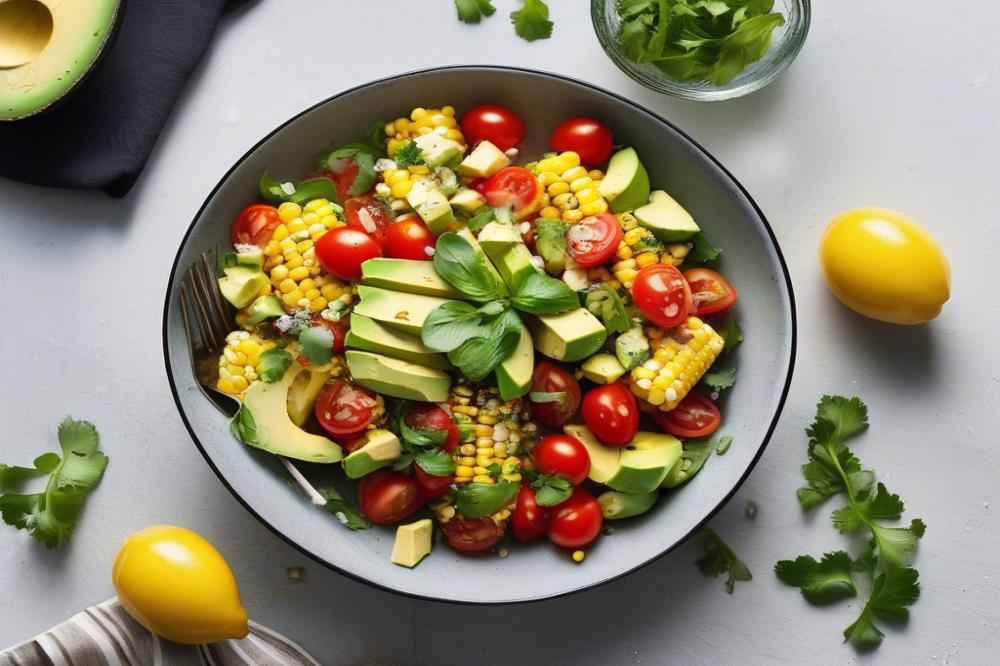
x: 786, y: 43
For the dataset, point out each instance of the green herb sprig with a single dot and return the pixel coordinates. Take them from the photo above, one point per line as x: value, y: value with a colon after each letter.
x: 530, y: 22
x: 720, y: 559
x: 421, y: 446
x: 313, y: 188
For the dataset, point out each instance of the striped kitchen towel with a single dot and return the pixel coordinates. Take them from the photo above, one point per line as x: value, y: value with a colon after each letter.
x: 106, y: 635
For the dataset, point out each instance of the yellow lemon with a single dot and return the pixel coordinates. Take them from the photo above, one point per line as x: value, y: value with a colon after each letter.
x: 177, y: 585
x: 882, y: 264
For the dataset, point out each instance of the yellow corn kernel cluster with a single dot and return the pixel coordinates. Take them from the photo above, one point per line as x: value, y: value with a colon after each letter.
x: 239, y: 360
x: 571, y: 190
x: 400, y: 181
x: 666, y: 378
x: 626, y: 270
x: 422, y: 121
x: 638, y: 240
x: 290, y: 257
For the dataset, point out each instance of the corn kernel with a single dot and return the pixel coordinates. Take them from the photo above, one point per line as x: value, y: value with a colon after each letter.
x: 288, y: 211
x: 572, y: 216
x: 558, y: 187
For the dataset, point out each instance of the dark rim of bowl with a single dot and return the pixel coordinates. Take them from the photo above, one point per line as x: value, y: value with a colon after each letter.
x: 497, y: 68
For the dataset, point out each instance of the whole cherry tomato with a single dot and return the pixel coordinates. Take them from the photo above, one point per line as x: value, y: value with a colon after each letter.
x: 472, y: 535
x: 593, y: 240
x: 550, y: 378
x: 695, y: 416
x: 513, y: 186
x: 345, y: 409
x: 562, y: 455
x: 409, y: 238
x: 577, y: 521
x: 663, y: 295
x: 586, y: 137
x: 496, y: 124
x: 342, y: 250
x: 255, y: 225
x: 612, y: 414
x: 388, y: 497
x: 529, y: 521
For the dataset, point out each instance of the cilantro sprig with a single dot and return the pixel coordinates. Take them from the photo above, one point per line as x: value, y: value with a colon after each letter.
x: 531, y: 21
x: 51, y: 515
x: 473, y: 11
x: 720, y: 559
x: 834, y: 470
x: 421, y: 446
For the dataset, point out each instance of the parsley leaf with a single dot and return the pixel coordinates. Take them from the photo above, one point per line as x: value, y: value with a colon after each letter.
x: 409, y: 155
x: 472, y: 11
x: 273, y: 364
x: 551, y: 489
x: 316, y: 344
x: 531, y: 21
x: 475, y: 500
x: 720, y: 379
x: 51, y: 515
x: 719, y: 558
x: 702, y: 250
x: 820, y: 582
x: 342, y: 509
x: 732, y: 335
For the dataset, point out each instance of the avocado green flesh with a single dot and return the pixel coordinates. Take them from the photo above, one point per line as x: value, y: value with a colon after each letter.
x: 264, y: 308
x: 413, y: 543
x: 570, y: 336
x: 602, y: 369
x: 666, y: 218
x: 603, y: 459
x: 626, y: 184
x: 514, y: 372
x: 381, y: 449
x: 405, y: 312
x: 241, y: 284
x: 645, y: 462
x: 274, y: 430
x: 369, y: 335
x: 79, y: 33
x: 407, y: 275
x: 398, y: 378
x: 617, y: 505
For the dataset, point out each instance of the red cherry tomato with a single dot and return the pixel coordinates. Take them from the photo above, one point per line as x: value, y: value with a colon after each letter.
x: 586, y: 137
x: 695, y: 416
x: 409, y: 238
x: 430, y: 416
x: 255, y: 225
x: 663, y: 294
x: 550, y: 378
x: 563, y: 455
x: 577, y: 521
x: 612, y: 414
x: 343, y: 409
x: 388, y: 497
x: 513, y: 186
x: 367, y: 214
x: 431, y: 486
x: 593, y: 240
x: 336, y: 327
x: 529, y: 521
x: 496, y: 124
x: 342, y: 250
x: 710, y: 292
x: 472, y: 535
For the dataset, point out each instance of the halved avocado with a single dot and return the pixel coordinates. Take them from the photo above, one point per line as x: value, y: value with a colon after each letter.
x: 47, y: 47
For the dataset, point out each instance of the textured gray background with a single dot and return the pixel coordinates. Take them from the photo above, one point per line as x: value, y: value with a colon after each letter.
x: 889, y: 103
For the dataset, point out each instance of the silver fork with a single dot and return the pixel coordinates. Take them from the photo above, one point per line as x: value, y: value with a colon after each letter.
x: 203, y: 306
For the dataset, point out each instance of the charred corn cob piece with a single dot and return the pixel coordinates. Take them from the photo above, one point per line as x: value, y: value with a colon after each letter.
x: 422, y: 121
x: 571, y: 189
x: 239, y: 360
x: 666, y: 378
x: 290, y: 257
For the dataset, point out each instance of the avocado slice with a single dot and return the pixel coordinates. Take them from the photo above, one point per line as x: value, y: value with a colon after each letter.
x: 405, y: 312
x: 645, y: 462
x: 51, y: 48
x: 666, y: 218
x: 632, y: 348
x: 407, y: 275
x: 413, y: 543
x: 381, y: 448
x: 503, y: 245
x: 431, y: 205
x: 437, y: 150
x: 303, y: 392
x: 616, y: 505
x: 497, y: 237
x: 602, y: 369
x: 264, y: 422
x: 484, y: 161
x: 570, y: 336
x: 692, y: 460
x: 264, y: 308
x: 467, y: 200
x: 242, y: 284
x: 603, y: 459
x: 398, y: 378
x: 514, y: 372
x: 626, y: 183
x: 369, y: 335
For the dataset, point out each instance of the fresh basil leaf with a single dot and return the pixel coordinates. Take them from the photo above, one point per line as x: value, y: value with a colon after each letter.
x: 551, y: 490
x: 460, y: 265
x: 477, y: 357
x: 541, y: 294
x: 476, y: 500
x: 316, y: 344
x: 377, y: 137
x: 436, y: 462
x: 342, y: 509
x: 450, y: 324
x: 493, y: 308
x: 314, y: 188
x: 422, y: 438
x: 550, y: 242
x: 272, y: 191
x: 364, y: 155
x: 273, y: 364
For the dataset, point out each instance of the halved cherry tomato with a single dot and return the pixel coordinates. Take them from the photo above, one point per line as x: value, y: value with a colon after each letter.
x: 550, y: 378
x: 344, y: 409
x: 430, y: 416
x: 472, y: 535
x: 496, y: 124
x: 529, y: 521
x: 431, y: 486
x: 513, y: 186
x: 562, y: 455
x: 710, y: 292
x: 387, y: 497
x: 612, y: 414
x: 255, y: 225
x: 663, y: 295
x: 342, y: 250
x: 577, y: 521
x: 592, y: 240
x: 586, y: 137
x: 695, y: 416
x: 409, y: 238
x: 367, y: 214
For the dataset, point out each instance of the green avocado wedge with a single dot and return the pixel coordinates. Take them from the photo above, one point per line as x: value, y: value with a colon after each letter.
x: 626, y: 184
x: 398, y: 378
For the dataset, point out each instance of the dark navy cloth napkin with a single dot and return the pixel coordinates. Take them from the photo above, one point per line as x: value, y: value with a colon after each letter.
x: 101, y: 135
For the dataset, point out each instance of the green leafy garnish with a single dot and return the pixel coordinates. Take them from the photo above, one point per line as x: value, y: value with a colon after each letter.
x: 551, y: 489
x: 364, y: 155
x: 720, y: 379
x: 832, y: 470
x: 450, y: 324
x: 723, y: 446
x: 475, y: 500
x: 719, y: 558
x: 550, y: 241
x: 314, y: 188
x: 541, y: 294
x: 421, y: 446
x: 51, y: 515
x: 472, y: 11
x: 342, y: 509
x: 603, y: 300
x: 409, y: 155
x: 316, y: 344
x: 702, y: 250
x: 273, y: 364
x: 531, y: 21
x: 244, y: 426
x: 478, y: 356
x: 483, y: 216
x: 457, y: 261
x: 732, y: 335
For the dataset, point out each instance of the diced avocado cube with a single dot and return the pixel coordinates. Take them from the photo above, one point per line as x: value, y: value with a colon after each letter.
x: 467, y: 200
x: 431, y: 205
x: 496, y: 237
x: 449, y: 182
x: 616, y: 505
x: 570, y: 336
x: 407, y: 275
x: 626, y: 184
x: 398, y: 378
x: 603, y: 459
x: 602, y: 369
x: 413, y: 543
x: 264, y: 308
x: 250, y: 255
x: 515, y: 265
x: 666, y: 218
x: 381, y: 449
x: 632, y: 348
x: 438, y: 150
x: 369, y: 335
x: 484, y: 161
x: 514, y: 372
x: 242, y: 284
x: 645, y: 462
x: 405, y: 312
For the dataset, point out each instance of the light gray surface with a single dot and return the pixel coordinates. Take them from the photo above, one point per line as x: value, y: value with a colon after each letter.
x: 889, y: 103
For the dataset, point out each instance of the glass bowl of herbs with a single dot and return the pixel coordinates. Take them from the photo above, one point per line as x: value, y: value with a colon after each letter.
x: 704, y: 50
